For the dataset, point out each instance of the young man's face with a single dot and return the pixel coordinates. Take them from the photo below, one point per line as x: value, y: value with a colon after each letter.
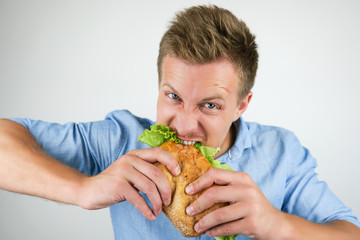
x: 199, y: 102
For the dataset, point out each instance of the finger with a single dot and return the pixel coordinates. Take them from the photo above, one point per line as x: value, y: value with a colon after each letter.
x: 213, y: 175
x: 155, y: 175
x: 226, y: 229
x: 139, y: 202
x: 158, y: 154
x: 220, y: 216
x: 144, y: 184
x: 216, y: 194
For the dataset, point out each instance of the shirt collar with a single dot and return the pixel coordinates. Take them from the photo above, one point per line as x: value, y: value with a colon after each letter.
x: 242, y: 141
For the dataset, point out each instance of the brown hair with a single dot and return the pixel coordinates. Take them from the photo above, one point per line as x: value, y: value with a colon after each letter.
x: 203, y: 34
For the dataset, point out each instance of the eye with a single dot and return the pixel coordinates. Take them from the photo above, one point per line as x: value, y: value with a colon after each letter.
x: 210, y: 105
x: 173, y: 96
x: 210, y: 108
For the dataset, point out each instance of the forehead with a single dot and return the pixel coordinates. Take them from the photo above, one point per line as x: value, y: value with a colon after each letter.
x: 218, y: 76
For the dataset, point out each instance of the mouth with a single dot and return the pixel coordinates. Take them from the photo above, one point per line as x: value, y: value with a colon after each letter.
x: 188, y: 142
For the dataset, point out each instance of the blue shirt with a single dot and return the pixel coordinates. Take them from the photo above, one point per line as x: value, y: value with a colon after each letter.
x: 273, y: 157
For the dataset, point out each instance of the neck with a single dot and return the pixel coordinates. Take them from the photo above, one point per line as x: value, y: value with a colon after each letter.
x: 229, y: 141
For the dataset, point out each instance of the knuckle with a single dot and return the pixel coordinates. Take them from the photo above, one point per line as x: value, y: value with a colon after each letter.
x: 127, y: 158
x: 150, y: 187
x: 138, y: 200
x: 131, y: 152
x: 155, y: 172
x: 253, y: 225
x: 212, y: 192
x: 196, y: 206
x: 199, y: 207
x: 219, y: 215
x: 211, y: 173
x: 158, y: 151
x: 245, y: 176
x: 226, y: 229
x: 117, y: 198
x: 195, y: 185
x: 201, y: 224
x: 157, y: 204
x: 124, y: 157
x: 167, y: 192
x: 251, y: 192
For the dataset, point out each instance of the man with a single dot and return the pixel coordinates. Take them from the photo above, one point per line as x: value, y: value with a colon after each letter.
x: 207, y: 65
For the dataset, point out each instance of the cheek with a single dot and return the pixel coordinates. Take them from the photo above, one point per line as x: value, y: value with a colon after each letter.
x: 213, y: 127
x: 216, y: 129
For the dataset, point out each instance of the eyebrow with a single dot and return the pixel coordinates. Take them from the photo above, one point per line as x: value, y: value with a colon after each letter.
x: 202, y: 100
x: 172, y: 89
x: 212, y: 98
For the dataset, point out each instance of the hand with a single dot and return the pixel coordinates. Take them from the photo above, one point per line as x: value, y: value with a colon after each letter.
x: 130, y: 173
x: 249, y: 212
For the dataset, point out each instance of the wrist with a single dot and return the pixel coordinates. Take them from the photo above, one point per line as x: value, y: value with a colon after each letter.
x: 72, y: 190
x: 82, y: 192
x: 287, y: 229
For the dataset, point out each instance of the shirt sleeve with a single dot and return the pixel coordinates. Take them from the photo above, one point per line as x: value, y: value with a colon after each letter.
x: 308, y: 197
x: 88, y: 147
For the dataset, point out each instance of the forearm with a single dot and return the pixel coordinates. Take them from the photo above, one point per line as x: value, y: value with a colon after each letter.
x: 26, y: 168
x: 299, y: 228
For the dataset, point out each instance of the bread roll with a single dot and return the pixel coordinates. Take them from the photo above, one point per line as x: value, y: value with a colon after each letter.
x: 193, y: 164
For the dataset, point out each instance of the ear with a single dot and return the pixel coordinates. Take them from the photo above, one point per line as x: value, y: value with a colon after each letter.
x: 243, y: 105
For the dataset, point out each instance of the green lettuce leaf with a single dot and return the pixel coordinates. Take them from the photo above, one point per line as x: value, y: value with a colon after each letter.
x: 229, y: 237
x: 209, y: 154
x: 159, y: 134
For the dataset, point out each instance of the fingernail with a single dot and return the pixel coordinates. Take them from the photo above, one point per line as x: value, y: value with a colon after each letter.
x: 168, y: 202
x: 190, y: 210
x: 196, y: 227
x: 189, y: 189
x: 152, y: 217
x: 177, y: 170
x: 158, y: 212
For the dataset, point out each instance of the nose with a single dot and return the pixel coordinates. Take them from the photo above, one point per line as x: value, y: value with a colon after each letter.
x: 186, y: 124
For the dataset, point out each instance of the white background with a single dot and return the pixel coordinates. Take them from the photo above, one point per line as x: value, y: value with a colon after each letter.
x: 78, y: 60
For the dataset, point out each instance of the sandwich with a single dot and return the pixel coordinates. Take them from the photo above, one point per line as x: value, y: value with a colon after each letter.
x: 194, y: 161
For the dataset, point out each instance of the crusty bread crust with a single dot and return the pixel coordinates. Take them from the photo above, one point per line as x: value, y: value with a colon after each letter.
x: 193, y: 164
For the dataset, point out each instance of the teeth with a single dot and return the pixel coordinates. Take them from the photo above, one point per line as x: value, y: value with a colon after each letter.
x: 188, y: 142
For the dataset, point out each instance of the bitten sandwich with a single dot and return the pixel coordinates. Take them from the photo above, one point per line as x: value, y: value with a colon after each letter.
x: 194, y: 161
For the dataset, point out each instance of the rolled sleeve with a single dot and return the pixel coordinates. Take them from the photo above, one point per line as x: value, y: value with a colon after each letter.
x: 89, y: 147
x: 308, y: 197
x: 67, y: 143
